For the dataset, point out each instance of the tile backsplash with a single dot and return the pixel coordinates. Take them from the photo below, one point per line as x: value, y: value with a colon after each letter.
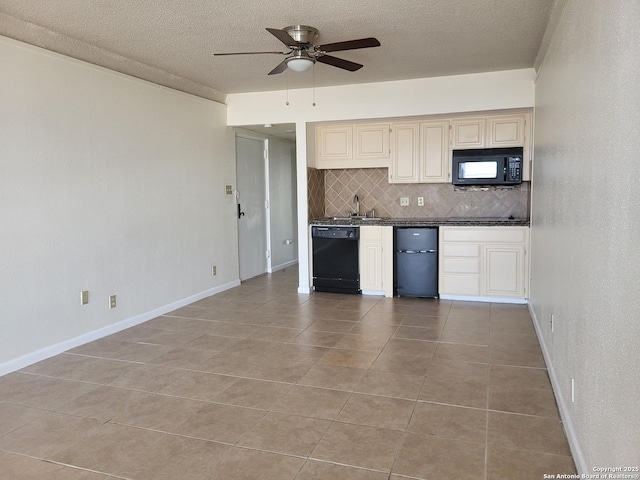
x: 440, y: 200
x: 315, y: 192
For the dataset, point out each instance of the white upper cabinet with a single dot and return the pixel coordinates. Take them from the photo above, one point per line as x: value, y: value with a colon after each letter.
x: 420, y: 152
x: 506, y: 131
x: 468, y: 132
x: 352, y: 146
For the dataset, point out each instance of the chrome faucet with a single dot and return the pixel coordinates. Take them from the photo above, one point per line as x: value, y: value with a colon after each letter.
x: 356, y: 201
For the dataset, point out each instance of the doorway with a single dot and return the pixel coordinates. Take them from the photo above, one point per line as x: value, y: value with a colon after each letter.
x: 252, y: 206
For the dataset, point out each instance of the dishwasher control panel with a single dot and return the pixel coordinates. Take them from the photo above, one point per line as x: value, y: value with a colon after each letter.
x: 350, y: 233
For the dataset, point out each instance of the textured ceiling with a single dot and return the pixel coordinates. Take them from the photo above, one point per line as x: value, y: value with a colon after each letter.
x: 172, y: 43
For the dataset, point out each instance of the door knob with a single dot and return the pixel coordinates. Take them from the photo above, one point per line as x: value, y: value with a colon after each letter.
x: 240, y: 212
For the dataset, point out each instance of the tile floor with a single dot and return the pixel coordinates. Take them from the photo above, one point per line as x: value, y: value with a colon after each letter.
x: 260, y: 382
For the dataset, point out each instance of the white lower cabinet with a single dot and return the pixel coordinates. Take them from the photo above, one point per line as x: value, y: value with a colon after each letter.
x: 483, y: 262
x: 376, y: 260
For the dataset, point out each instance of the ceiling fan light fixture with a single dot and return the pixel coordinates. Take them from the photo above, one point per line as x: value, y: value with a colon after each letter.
x: 300, y: 62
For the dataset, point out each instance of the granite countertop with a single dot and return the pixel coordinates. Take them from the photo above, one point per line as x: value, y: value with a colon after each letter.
x: 428, y: 222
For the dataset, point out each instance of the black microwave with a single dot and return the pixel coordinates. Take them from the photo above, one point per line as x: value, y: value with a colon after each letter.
x: 489, y: 166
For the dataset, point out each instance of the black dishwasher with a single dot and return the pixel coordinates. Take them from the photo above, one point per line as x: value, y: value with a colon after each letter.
x: 416, y: 262
x: 335, y: 259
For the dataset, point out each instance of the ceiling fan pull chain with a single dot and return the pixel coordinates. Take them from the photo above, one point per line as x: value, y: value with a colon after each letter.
x: 314, y: 84
x: 287, y: 88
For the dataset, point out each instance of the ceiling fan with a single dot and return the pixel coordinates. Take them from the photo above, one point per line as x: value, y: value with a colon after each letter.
x: 303, y: 53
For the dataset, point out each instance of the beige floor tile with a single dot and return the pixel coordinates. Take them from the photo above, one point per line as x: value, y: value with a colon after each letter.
x: 373, y: 329
x: 216, y: 343
x: 40, y: 392
x: 367, y: 343
x: 405, y: 346
x: 359, y: 446
x: 198, y: 386
x: 220, y: 423
x: 446, y: 421
x: 381, y: 319
x: 544, y: 435
x: 189, y: 358
x: 317, y: 338
x: 47, y: 434
x: 529, y: 401
x: 418, y: 333
x: 104, y: 403
x: 517, y: 355
x: 519, y: 377
x: 190, y: 311
x: 141, y: 454
x: 288, y: 434
x: 244, y: 464
x: 375, y: 411
x: 526, y: 465
x: 390, y: 384
x: 277, y: 334
x: 18, y: 467
x: 174, y: 338
x: 464, y: 353
x: 467, y: 336
x: 349, y: 358
x: 253, y: 393
x: 405, y: 364
x: 315, y: 470
x: 159, y: 412
x: 462, y: 371
x: 334, y: 377
x: 436, y: 458
x: 14, y: 416
x: 120, y: 350
x: 468, y: 322
x: 81, y: 368
x: 189, y: 324
x: 336, y: 326
x: 237, y: 330
x: 454, y: 392
x: 277, y: 371
x: 312, y: 402
x: 148, y: 378
x: 437, y: 321
x: 291, y: 321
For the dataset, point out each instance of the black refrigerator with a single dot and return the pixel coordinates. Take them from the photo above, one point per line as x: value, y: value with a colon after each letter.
x: 416, y: 262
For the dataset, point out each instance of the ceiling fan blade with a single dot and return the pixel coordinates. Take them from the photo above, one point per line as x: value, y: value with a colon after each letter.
x: 283, y: 36
x: 248, y: 53
x: 339, y: 62
x: 282, y: 66
x: 350, y: 45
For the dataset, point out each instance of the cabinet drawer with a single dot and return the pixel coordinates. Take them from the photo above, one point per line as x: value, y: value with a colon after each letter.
x: 461, y: 265
x: 485, y: 234
x: 460, y: 250
x: 460, y: 284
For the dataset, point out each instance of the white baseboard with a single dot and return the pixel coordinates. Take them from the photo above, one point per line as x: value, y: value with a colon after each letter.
x: 378, y: 293
x: 52, y: 350
x: 572, y: 437
x: 473, y: 298
x: 284, y: 265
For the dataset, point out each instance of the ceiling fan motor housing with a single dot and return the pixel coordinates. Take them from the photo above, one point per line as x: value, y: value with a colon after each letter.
x: 302, y: 33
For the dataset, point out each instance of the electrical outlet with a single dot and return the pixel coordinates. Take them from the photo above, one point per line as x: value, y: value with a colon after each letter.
x: 84, y: 297
x: 404, y: 201
x: 112, y: 301
x: 214, y: 270
x: 421, y: 201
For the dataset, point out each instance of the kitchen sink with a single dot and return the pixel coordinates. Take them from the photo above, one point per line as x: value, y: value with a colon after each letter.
x: 352, y: 217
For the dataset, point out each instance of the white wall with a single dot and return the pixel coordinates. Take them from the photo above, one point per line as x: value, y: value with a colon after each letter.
x: 426, y: 96
x: 586, y: 225
x: 108, y: 184
x: 282, y: 198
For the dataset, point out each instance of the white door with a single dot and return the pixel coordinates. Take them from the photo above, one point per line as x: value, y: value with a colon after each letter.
x: 252, y: 213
